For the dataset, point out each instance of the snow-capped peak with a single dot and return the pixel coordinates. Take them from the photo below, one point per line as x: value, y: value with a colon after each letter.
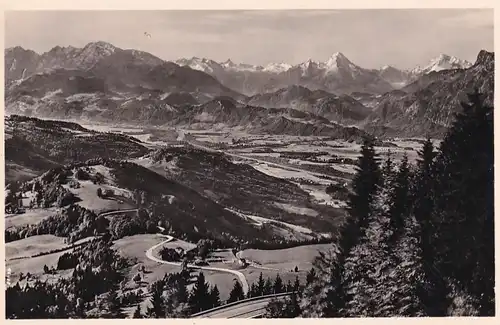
x: 230, y: 65
x: 197, y: 63
x: 338, y: 60
x: 443, y: 62
x: 277, y: 67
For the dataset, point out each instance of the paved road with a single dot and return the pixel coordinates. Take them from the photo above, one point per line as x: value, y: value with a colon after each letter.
x: 248, y: 308
x: 109, y: 213
x: 241, y: 276
x: 149, y: 254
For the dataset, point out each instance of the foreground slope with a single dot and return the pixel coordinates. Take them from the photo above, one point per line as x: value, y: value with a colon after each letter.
x: 33, y: 146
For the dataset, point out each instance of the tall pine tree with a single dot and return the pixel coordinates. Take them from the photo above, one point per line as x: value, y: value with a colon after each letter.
x: 260, y: 285
x: 215, y: 296
x: 325, y: 296
x: 236, y: 293
x: 157, y: 309
x: 433, y: 292
x: 463, y: 214
x: 367, y: 281
x: 399, y: 199
x: 200, y: 298
x: 278, y: 285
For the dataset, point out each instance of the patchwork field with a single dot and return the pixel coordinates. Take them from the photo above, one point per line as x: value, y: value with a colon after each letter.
x: 285, y: 259
x: 30, y: 217
x: 33, y: 245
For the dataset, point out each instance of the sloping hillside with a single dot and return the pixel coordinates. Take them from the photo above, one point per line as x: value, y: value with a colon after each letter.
x: 242, y: 187
x: 107, y: 185
x: 343, y: 109
x: 33, y: 146
x: 429, y: 105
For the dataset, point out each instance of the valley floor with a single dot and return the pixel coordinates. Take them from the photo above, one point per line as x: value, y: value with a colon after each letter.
x: 312, y: 163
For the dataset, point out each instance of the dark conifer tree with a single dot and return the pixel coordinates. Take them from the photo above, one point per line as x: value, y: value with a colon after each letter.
x: 399, y: 199
x: 260, y: 285
x: 364, y: 184
x: 366, y: 281
x: 296, y: 284
x: 268, y: 287
x: 388, y: 169
x: 311, y: 275
x: 289, y: 286
x: 236, y: 293
x: 464, y: 216
x: 215, y: 296
x: 278, y: 285
x: 200, y: 298
x: 433, y: 291
x: 157, y: 309
x: 423, y: 195
x: 325, y: 297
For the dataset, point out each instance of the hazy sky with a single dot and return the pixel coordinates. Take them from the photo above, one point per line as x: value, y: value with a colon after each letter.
x: 370, y: 38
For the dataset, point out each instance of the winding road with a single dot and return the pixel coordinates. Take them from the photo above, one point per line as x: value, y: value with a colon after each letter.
x: 241, y: 276
x: 105, y: 214
x: 149, y: 254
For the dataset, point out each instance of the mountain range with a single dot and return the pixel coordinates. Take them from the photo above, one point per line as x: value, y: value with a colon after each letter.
x: 101, y: 82
x: 337, y: 74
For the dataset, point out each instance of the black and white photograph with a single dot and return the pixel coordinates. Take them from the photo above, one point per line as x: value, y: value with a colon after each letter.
x: 305, y: 163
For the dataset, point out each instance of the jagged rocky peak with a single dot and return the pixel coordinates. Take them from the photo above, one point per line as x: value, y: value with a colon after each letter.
x: 338, y: 59
x: 443, y: 62
x: 485, y: 57
x: 100, y: 46
x: 277, y: 67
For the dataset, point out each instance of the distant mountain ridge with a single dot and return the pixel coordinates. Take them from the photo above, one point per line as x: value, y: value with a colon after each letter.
x: 123, y: 71
x: 337, y: 74
x: 343, y: 108
x: 101, y: 82
x: 427, y: 106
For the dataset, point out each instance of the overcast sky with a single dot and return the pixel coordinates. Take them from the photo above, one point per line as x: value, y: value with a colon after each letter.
x: 369, y: 38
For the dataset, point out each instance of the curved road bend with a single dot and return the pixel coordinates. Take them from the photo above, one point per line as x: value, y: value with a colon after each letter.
x: 241, y: 276
x: 149, y: 254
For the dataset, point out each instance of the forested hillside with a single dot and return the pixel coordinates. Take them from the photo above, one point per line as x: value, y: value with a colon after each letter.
x: 419, y: 240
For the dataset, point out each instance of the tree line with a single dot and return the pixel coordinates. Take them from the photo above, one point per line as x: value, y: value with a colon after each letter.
x: 170, y: 297
x: 419, y: 239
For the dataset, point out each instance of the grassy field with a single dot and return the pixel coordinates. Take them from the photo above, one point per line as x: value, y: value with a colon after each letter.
x: 179, y: 243
x: 286, y: 259
x: 252, y: 274
x: 87, y: 193
x: 32, y: 265
x: 33, y: 245
x: 224, y: 281
x: 282, y: 262
x: 134, y: 248
x: 30, y: 217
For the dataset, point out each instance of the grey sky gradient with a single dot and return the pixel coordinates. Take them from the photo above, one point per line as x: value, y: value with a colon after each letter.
x: 370, y: 38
